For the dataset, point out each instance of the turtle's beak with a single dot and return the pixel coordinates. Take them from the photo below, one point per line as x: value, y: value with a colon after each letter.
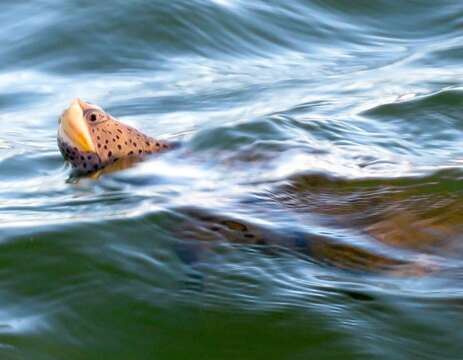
x: 74, y: 127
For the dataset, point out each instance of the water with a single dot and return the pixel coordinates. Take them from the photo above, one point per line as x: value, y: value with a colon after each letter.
x: 313, y: 209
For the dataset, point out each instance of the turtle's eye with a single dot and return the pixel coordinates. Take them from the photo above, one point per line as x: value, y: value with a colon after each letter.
x: 95, y: 116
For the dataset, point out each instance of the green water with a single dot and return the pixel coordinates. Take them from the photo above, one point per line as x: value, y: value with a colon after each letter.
x: 330, y: 131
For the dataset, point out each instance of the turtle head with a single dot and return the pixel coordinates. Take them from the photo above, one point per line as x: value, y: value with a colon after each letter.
x: 89, y: 138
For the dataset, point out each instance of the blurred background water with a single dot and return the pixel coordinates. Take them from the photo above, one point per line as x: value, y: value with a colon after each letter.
x: 313, y: 209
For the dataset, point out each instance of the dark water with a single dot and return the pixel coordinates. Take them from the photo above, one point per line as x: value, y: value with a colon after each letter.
x: 314, y: 209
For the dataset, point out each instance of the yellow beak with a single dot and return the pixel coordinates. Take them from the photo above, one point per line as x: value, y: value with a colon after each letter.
x: 73, y: 127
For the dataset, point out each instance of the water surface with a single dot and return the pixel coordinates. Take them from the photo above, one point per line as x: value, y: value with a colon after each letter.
x: 313, y: 209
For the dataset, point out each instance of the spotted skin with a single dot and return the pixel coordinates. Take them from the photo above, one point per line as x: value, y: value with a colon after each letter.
x: 83, y: 161
x: 113, y: 141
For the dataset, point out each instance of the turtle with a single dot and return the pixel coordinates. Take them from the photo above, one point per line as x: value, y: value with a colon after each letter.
x: 92, y: 140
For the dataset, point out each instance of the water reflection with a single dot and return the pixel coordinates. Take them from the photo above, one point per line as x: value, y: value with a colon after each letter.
x: 314, y: 201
